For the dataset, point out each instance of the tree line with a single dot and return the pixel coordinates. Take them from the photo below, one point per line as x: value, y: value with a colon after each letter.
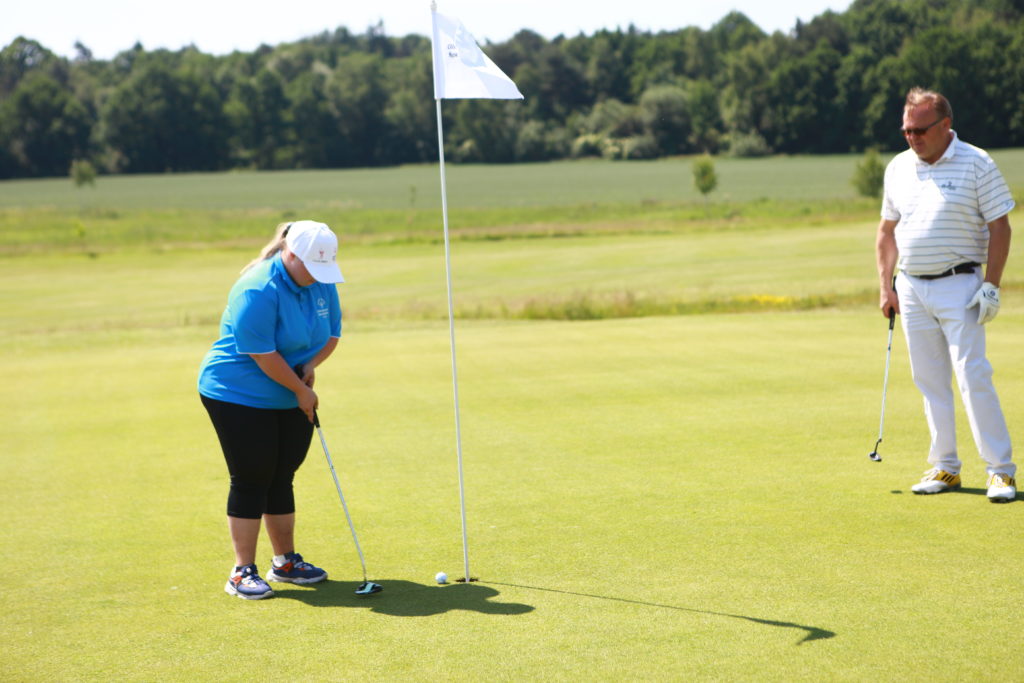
x: 338, y: 99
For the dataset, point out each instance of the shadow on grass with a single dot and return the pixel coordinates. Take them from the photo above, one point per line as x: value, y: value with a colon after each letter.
x: 984, y: 492
x: 810, y: 632
x: 403, y: 598
x: 409, y: 599
x: 962, y: 490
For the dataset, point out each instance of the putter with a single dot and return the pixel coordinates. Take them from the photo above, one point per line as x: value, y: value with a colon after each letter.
x: 367, y: 587
x: 885, y: 384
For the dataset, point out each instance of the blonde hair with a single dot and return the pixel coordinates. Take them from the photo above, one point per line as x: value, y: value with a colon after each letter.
x: 939, y: 104
x: 275, y: 245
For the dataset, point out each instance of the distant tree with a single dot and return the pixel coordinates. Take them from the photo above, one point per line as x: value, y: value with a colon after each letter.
x: 869, y: 175
x: 747, y: 144
x: 705, y: 119
x: 744, y: 98
x: 411, y: 131
x: 9, y: 166
x: 256, y: 111
x: 485, y: 130
x: 827, y: 27
x: 163, y: 118
x: 612, y: 118
x: 880, y: 25
x: 666, y: 118
x: 516, y: 51
x: 639, y: 147
x: 82, y: 53
x: 317, y: 142
x: 704, y: 177
x: 735, y: 31
x: 83, y: 173
x: 358, y: 94
x: 20, y: 58
x: 802, y: 94
x: 43, y: 126
x: 555, y: 82
x: 831, y: 85
x: 539, y: 142
x: 608, y: 59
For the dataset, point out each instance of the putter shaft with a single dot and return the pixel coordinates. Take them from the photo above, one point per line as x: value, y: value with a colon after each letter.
x: 341, y: 496
x: 885, y: 385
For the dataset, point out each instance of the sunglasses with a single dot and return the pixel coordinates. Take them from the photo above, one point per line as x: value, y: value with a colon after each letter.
x: 920, y: 131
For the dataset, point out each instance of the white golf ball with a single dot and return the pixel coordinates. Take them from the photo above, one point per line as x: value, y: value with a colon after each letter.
x: 441, y: 577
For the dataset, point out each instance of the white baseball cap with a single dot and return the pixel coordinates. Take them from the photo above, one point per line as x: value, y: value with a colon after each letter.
x: 317, y: 248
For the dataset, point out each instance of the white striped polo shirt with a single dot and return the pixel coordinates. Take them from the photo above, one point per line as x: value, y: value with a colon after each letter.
x: 943, y: 209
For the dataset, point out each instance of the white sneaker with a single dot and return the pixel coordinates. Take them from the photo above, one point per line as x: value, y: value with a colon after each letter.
x: 1002, y: 488
x: 937, y: 481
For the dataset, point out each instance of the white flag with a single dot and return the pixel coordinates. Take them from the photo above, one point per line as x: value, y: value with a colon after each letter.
x: 462, y: 70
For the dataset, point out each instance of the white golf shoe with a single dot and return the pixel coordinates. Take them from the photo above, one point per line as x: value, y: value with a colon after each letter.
x: 1002, y: 488
x: 936, y: 480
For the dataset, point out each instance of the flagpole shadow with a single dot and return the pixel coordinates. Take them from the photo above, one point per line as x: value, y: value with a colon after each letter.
x: 810, y: 632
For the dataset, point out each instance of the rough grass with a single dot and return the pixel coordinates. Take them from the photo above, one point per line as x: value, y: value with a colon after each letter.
x: 570, y: 183
x: 94, y: 231
x: 555, y: 184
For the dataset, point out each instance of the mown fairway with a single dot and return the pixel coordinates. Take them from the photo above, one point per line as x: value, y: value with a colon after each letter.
x: 657, y: 497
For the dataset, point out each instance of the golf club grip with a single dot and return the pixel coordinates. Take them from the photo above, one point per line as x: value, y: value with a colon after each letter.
x: 892, y: 311
x: 298, y: 371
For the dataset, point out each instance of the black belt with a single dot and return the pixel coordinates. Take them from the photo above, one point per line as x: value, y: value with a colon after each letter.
x: 955, y: 270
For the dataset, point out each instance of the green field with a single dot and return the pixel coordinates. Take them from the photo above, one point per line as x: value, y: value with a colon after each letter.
x: 666, y: 413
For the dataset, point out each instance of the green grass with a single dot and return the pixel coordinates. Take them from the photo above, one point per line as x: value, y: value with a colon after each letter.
x: 402, y: 205
x: 563, y: 183
x: 681, y: 497
x: 469, y: 186
x: 668, y: 491
x: 95, y: 231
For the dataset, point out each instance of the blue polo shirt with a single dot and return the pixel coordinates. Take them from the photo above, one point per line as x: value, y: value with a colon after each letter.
x: 267, y: 312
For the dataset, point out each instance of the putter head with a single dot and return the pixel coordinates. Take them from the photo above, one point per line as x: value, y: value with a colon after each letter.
x: 873, y: 455
x: 369, y: 588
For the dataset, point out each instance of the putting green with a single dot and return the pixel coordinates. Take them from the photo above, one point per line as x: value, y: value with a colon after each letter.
x: 654, y: 498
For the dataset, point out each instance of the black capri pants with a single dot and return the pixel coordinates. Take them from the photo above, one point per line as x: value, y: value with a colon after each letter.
x: 263, y: 449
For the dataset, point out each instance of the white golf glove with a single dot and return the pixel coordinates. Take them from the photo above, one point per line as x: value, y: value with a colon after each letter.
x: 987, y: 300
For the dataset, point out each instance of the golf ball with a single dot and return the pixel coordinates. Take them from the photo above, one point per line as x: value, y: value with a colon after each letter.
x: 441, y: 577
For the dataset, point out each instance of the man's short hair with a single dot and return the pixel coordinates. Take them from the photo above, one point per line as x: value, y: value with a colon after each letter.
x: 938, y: 103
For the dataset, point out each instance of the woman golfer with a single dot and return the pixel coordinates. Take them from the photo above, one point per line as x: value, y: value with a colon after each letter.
x: 282, y: 319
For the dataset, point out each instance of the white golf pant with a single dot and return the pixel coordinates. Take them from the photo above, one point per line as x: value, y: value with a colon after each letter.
x: 944, y: 338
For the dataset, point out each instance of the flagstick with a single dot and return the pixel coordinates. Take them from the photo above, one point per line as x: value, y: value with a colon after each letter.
x: 451, y: 334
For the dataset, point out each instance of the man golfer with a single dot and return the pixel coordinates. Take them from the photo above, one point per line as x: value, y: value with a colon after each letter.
x: 944, y: 215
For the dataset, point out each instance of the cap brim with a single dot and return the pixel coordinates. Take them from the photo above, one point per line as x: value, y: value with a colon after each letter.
x: 328, y: 273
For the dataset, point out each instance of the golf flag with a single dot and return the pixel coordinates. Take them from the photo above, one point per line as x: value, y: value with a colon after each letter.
x: 462, y: 70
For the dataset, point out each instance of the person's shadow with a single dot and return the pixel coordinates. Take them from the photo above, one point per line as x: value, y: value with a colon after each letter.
x: 404, y: 598
x: 408, y: 599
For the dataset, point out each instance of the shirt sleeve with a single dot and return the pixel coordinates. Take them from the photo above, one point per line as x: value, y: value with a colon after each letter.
x: 994, y: 198
x: 255, y: 314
